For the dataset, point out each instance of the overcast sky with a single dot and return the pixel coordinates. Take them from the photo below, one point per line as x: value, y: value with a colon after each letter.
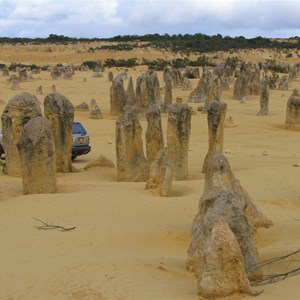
x: 108, y: 18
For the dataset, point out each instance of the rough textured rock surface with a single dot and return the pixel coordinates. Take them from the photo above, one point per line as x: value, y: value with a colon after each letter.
x: 293, y: 73
x: 39, y: 90
x: 60, y: 112
x: 131, y: 162
x: 154, y: 133
x: 147, y: 90
x: 5, y: 72
x: 130, y: 93
x: 82, y: 107
x: 162, y: 172
x: 93, y: 103
x: 178, y: 137
x: 96, y: 113
x: 223, y: 270
x: 244, y: 86
x: 110, y: 76
x: 213, y: 92
x: 199, y: 94
x: 293, y: 110
x: 192, y: 72
x: 96, y: 75
x: 215, y: 88
x: 18, y: 111
x: 117, y: 96
x: 219, y: 174
x: 37, y: 155
x: 241, y: 86
x: 186, y: 84
x: 254, y: 82
x: 167, y: 75
x: 168, y: 98
x: 55, y: 73
x: 264, y: 98
x: 101, y: 161
x: 15, y: 85
x: 223, y: 197
x: 172, y: 161
x: 176, y: 77
x: 216, y: 114
x: 237, y: 89
x: 229, y: 205
x: 229, y: 122
x: 23, y: 76
x: 283, y: 83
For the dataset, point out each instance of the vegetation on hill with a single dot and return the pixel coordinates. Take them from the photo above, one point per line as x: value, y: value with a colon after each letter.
x: 187, y: 43
x: 200, y: 45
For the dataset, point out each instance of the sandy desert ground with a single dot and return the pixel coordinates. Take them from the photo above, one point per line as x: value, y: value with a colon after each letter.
x: 130, y: 243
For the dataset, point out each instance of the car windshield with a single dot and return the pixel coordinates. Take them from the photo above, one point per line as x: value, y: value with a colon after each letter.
x: 78, y: 128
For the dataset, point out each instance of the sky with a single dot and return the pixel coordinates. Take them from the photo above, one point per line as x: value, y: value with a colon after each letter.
x: 109, y: 18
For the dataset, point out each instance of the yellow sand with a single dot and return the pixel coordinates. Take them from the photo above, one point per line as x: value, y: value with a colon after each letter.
x: 130, y: 243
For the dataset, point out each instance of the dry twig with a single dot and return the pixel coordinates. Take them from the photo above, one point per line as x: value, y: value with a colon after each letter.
x: 289, y: 259
x: 47, y: 226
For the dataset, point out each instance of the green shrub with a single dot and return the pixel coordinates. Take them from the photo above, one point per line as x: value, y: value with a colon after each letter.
x: 91, y: 64
x: 157, y: 65
x: 129, y: 63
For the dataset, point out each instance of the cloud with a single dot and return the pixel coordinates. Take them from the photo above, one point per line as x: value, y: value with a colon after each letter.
x: 62, y: 16
x: 227, y: 17
x: 107, y: 18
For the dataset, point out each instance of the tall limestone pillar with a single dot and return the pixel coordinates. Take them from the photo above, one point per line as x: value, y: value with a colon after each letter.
x: 178, y: 137
x: 216, y: 114
x: 293, y: 110
x: 18, y: 111
x: 154, y: 133
x: 117, y: 96
x: 60, y: 112
x: 37, y: 155
x: 264, y: 98
x: 131, y: 162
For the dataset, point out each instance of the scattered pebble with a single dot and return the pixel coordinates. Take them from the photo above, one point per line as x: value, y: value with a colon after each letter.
x: 227, y: 151
x: 296, y: 165
x: 162, y: 268
x: 265, y: 153
x: 110, y: 142
x: 229, y: 122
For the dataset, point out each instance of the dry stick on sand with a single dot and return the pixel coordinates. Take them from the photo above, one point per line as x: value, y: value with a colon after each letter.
x: 289, y: 258
x: 47, y: 226
x: 276, y: 277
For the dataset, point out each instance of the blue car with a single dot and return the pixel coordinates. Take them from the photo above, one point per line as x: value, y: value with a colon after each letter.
x: 81, y: 140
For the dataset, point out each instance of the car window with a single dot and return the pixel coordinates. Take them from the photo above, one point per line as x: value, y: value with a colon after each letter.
x: 78, y: 129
